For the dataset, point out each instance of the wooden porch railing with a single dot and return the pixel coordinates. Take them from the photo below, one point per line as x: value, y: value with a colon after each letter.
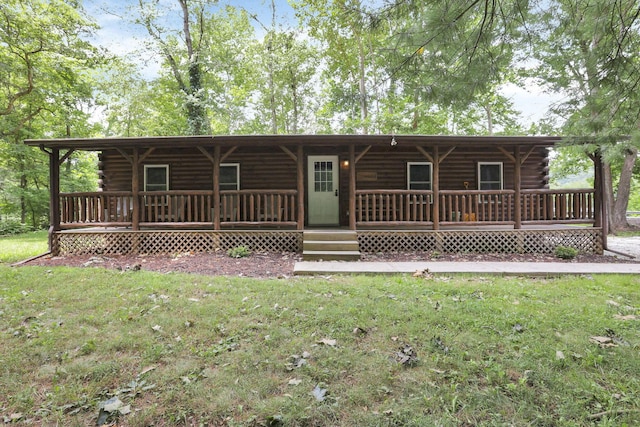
x: 178, y: 208
x: 560, y: 206
x: 277, y: 207
x: 473, y: 206
x: 393, y: 207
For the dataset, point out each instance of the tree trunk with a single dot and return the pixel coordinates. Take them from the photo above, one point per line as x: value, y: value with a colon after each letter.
x: 364, y: 113
x: 618, y: 217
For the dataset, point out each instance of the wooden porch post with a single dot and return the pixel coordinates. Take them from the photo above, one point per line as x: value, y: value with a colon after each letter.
x: 517, y: 184
x: 54, y: 198
x: 600, y: 206
x: 300, y: 164
x: 216, y: 188
x: 436, y: 188
x: 135, y: 190
x: 352, y: 187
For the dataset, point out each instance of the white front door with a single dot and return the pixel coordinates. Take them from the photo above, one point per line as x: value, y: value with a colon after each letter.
x: 324, y: 200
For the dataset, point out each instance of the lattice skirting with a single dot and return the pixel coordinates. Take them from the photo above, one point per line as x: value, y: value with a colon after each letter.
x: 585, y: 240
x: 159, y: 242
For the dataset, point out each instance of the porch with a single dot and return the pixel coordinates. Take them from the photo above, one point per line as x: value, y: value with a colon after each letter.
x: 398, y: 193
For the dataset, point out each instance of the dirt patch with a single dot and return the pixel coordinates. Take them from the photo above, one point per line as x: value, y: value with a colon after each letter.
x: 270, y: 265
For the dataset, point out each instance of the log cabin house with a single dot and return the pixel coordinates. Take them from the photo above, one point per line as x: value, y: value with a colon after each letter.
x: 390, y: 192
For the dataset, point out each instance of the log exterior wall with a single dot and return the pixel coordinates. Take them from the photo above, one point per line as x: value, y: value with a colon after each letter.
x: 271, y: 168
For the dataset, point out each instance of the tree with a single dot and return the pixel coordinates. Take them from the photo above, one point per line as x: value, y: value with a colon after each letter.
x: 45, y: 91
x: 588, y: 51
x: 184, y: 61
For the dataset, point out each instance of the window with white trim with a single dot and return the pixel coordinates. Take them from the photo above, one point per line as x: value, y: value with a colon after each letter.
x: 490, y: 176
x: 419, y: 175
x: 156, y: 177
x: 229, y: 176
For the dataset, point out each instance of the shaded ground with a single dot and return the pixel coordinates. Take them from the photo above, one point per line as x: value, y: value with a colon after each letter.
x: 277, y: 265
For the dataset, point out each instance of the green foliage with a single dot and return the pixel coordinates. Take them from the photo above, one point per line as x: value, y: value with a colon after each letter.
x: 565, y: 252
x: 239, y: 252
x: 12, y: 226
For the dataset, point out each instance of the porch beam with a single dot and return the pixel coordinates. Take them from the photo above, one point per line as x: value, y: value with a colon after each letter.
x: 357, y: 158
x: 206, y: 154
x: 135, y: 188
x: 300, y: 173
x: 289, y: 153
x: 352, y: 187
x: 436, y: 188
x: 517, y: 184
x: 216, y: 187
x: 227, y: 154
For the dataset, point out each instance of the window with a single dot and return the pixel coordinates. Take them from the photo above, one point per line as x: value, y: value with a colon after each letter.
x: 156, y: 177
x: 229, y: 176
x: 419, y: 176
x: 490, y: 176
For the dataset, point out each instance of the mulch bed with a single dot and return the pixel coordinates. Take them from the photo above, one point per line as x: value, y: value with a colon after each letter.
x: 270, y: 265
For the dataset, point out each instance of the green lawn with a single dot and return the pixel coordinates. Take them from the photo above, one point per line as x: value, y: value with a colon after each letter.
x: 341, y: 351
x: 22, y: 246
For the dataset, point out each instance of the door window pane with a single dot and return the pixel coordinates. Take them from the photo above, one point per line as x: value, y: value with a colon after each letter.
x: 323, y: 176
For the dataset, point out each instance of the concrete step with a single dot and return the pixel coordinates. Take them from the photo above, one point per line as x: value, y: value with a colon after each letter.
x: 331, y: 255
x: 334, y: 235
x: 330, y: 245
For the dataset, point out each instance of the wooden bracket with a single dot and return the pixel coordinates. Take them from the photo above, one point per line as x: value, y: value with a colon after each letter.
x: 125, y: 155
x: 425, y: 153
x: 66, y: 156
x: 289, y: 153
x: 446, y: 154
x: 526, y: 156
x: 145, y: 154
x: 227, y: 154
x: 507, y: 154
x: 361, y: 155
x: 206, y: 153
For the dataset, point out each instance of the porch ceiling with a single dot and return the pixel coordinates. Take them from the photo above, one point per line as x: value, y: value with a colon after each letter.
x: 99, y: 144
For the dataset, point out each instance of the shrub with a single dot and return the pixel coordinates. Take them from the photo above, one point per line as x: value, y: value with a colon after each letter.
x: 566, y: 252
x: 13, y: 226
x: 239, y: 252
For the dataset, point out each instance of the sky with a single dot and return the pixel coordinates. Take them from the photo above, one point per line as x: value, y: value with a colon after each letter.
x: 122, y: 37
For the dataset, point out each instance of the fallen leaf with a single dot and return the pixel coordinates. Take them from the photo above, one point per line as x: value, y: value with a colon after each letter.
x: 147, y: 369
x: 319, y: 393
x: 603, y: 341
x: 294, y: 381
x: 613, y: 303
x: 157, y: 328
x: 328, y: 341
x: 626, y: 317
x: 559, y: 355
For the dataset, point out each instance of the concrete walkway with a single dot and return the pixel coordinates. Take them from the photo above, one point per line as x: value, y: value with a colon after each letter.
x: 480, y: 268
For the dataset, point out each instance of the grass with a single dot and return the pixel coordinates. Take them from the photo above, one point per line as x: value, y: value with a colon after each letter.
x: 192, y: 350
x: 22, y: 246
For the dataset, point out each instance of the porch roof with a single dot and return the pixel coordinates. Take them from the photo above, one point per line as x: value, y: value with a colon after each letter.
x: 99, y: 144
